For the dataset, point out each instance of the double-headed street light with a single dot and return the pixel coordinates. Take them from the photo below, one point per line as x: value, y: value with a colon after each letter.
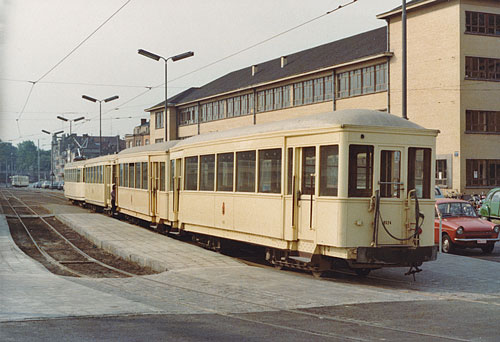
x: 51, y: 154
x: 70, y: 120
x: 174, y: 59
x: 109, y: 99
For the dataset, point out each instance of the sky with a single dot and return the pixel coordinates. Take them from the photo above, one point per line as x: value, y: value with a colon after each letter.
x: 54, y: 51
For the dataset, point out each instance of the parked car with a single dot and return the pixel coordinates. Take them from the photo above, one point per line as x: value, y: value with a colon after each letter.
x: 462, y: 227
x: 45, y: 185
x: 60, y: 186
x: 490, y: 208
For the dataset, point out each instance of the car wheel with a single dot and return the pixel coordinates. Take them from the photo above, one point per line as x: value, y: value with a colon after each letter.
x: 488, y: 248
x: 447, y: 246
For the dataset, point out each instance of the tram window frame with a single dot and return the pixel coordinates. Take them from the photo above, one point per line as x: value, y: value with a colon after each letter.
x: 125, y: 175
x: 425, y: 189
x: 191, y: 178
x: 225, y: 171
x: 289, y: 182
x: 131, y: 177
x: 354, y: 189
x: 245, y: 174
x: 329, y: 170
x: 162, y: 176
x: 207, y: 172
x: 144, y: 174
x: 137, y: 184
x: 172, y: 175
x: 387, y: 168
x: 121, y: 175
x: 308, y: 182
x: 270, y: 171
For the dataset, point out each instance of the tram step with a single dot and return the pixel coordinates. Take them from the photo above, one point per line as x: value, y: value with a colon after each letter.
x: 301, y: 259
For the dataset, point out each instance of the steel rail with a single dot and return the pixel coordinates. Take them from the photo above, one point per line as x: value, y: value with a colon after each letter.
x: 78, y: 250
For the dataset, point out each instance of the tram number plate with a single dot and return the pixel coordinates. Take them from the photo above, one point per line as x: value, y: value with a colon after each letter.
x: 481, y: 241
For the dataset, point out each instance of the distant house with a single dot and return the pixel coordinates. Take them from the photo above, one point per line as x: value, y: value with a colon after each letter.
x: 140, y: 137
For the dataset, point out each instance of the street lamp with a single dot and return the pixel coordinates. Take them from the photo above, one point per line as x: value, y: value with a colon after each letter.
x: 91, y: 99
x: 174, y: 59
x: 70, y: 120
x: 51, y: 154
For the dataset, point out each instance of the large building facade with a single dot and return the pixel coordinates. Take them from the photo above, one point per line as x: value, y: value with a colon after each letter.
x: 453, y: 49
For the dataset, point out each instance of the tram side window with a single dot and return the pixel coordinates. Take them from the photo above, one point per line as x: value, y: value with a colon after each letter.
x: 162, y: 176
x: 308, y: 170
x: 245, y: 171
x: 125, y: 175
x: 225, y: 167
x: 329, y: 170
x: 419, y: 171
x: 191, y: 176
x: 137, y: 175
x: 131, y: 175
x: 172, y: 175
x: 390, y: 173
x: 121, y: 174
x: 144, y: 170
x: 270, y: 171
x: 360, y: 170
x: 207, y: 172
x: 289, y: 183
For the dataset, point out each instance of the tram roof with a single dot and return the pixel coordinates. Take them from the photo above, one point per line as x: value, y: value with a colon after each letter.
x: 158, y: 147
x: 353, y: 117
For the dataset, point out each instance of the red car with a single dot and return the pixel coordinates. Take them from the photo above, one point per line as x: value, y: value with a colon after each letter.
x: 462, y: 228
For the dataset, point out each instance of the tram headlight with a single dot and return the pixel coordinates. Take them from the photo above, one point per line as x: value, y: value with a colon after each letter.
x: 496, y: 229
x: 460, y: 230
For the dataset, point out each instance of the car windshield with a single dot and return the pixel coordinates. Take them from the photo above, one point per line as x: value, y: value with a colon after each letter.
x: 456, y: 209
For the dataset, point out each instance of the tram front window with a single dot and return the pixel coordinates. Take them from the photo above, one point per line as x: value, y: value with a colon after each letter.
x: 419, y: 171
x: 390, y: 174
x: 308, y: 170
x: 360, y: 170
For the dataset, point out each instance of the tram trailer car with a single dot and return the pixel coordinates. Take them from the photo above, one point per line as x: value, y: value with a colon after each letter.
x: 74, y: 186
x: 350, y: 187
x: 20, y: 181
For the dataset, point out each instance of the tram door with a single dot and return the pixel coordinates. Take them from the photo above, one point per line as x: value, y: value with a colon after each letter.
x: 107, y: 184
x: 154, y: 186
x: 306, y: 195
x: 391, y: 189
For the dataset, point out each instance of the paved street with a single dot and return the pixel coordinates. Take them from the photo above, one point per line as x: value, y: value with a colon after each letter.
x: 208, y: 296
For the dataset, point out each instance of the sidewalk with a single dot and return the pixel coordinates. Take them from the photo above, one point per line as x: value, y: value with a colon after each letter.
x: 147, y: 248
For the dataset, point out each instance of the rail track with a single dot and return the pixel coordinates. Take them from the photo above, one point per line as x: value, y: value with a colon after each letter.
x: 53, y: 244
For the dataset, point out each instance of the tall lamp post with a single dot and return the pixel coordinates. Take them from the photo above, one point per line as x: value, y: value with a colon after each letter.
x: 91, y: 99
x: 174, y: 59
x: 70, y: 120
x: 51, y: 154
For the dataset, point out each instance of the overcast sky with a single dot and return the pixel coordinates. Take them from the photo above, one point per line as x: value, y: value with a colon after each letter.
x: 37, y: 34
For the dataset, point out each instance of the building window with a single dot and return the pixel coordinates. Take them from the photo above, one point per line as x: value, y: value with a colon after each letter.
x: 297, y: 94
x: 244, y: 105
x: 441, y: 172
x: 328, y: 88
x: 225, y: 167
x: 146, y: 142
x: 482, y: 23
x: 261, y: 99
x: 343, y: 85
x: 368, y: 80
x: 360, y: 170
x: 328, y: 170
x: 481, y: 121
x: 222, y: 109
x: 270, y: 171
x: 308, y: 92
x: 245, y: 171
x: 286, y: 96
x: 138, y: 142
x: 237, y: 106
x: 191, y: 176
x: 207, y: 172
x: 250, y: 103
x: 355, y: 82
x: 381, y: 77
x: 319, y: 89
x: 230, y: 107
x: 157, y: 141
x: 269, y: 99
x: 482, y: 172
x: 215, y: 110
x: 158, y: 120
x: 479, y: 68
x: 204, y: 113
x: 278, y: 98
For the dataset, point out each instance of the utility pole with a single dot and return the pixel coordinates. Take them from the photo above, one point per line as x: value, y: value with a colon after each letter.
x: 38, y: 158
x: 404, y: 62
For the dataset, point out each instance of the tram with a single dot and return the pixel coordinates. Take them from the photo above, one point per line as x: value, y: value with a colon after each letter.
x: 20, y: 181
x: 346, y: 188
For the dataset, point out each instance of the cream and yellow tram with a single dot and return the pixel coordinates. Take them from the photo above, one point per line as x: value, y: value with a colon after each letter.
x: 347, y: 187
x: 74, y: 186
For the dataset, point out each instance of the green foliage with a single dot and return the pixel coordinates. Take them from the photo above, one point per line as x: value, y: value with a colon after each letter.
x: 27, y: 159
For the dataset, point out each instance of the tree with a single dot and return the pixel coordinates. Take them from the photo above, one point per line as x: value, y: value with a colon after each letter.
x: 27, y: 157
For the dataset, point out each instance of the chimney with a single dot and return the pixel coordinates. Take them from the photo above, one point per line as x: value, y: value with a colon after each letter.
x: 255, y: 69
x: 143, y: 121
x: 284, y: 61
